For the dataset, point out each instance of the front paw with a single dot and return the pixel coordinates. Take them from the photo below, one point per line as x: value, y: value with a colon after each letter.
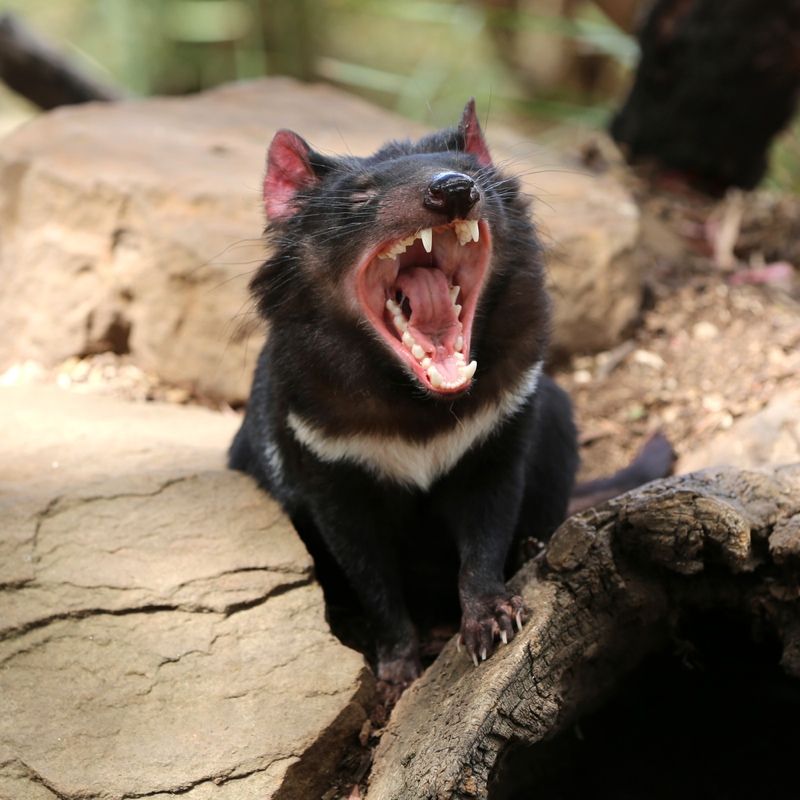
x: 396, y: 672
x: 487, y: 620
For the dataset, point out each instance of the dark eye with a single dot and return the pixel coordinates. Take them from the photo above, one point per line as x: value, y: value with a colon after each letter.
x: 359, y: 198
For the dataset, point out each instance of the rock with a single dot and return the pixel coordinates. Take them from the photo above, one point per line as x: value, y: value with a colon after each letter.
x: 160, y: 629
x: 139, y: 225
x: 768, y: 437
x: 135, y: 227
x: 590, y: 227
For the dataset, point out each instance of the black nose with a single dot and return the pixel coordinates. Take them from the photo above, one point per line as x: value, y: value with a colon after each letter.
x: 451, y: 193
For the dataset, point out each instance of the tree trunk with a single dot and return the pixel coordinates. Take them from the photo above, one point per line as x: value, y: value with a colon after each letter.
x: 607, y: 593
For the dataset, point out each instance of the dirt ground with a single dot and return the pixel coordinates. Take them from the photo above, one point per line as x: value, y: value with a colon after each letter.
x: 718, y: 336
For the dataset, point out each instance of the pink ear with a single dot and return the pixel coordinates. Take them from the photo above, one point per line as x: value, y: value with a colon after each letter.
x: 288, y: 171
x: 473, y: 137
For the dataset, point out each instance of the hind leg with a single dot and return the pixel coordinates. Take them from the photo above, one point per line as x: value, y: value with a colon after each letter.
x: 551, y: 469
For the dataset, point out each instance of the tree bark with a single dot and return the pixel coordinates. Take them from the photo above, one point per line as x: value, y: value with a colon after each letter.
x: 601, y: 599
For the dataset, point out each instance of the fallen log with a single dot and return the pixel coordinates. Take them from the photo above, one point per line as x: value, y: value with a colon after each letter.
x: 34, y: 68
x: 613, y: 587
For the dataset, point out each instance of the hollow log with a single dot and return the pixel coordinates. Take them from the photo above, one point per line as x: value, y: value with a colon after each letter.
x: 605, y: 595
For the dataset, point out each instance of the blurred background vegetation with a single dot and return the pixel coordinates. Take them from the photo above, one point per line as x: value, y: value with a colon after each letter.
x: 552, y: 66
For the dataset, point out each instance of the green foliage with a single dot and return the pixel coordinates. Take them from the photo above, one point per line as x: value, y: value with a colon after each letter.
x: 415, y: 55
x: 419, y: 57
x: 785, y: 163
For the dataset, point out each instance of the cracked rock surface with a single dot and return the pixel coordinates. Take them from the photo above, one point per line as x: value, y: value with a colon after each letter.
x: 160, y: 629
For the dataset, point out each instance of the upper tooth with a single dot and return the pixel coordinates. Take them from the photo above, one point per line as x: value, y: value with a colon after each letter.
x: 426, y: 234
x: 463, y: 232
x: 418, y: 352
x: 454, y: 290
x: 397, y: 248
x: 400, y: 322
x: 474, y: 229
x: 408, y: 340
x: 394, y: 309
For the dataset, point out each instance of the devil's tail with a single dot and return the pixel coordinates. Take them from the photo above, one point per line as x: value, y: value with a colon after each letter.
x: 655, y: 460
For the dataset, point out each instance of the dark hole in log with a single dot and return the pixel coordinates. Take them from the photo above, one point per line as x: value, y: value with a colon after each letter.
x: 714, y: 718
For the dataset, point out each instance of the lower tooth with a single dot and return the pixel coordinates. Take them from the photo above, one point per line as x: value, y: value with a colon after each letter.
x: 435, y: 377
x: 468, y: 371
x: 417, y: 352
x: 400, y: 323
x: 426, y: 362
x: 408, y: 340
x: 460, y: 343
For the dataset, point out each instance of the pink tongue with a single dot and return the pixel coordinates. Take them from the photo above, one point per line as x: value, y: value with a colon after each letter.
x: 432, y: 314
x: 433, y: 323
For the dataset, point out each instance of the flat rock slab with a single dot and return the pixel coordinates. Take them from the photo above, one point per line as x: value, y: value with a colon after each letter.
x: 160, y: 629
x: 136, y: 226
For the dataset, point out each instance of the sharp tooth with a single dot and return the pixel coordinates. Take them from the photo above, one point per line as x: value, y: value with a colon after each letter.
x: 460, y: 343
x: 454, y: 290
x: 418, y: 352
x: 426, y: 362
x: 408, y: 340
x: 400, y: 322
x: 393, y: 307
x: 467, y: 372
x: 426, y: 234
x: 436, y: 378
x: 474, y: 230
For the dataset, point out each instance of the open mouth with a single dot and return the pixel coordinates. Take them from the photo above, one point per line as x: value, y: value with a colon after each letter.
x: 420, y: 294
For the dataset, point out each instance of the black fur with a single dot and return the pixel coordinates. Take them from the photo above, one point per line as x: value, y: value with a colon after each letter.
x: 716, y: 82
x: 322, y: 363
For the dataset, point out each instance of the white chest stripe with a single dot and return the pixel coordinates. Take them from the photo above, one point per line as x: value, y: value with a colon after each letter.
x: 416, y: 463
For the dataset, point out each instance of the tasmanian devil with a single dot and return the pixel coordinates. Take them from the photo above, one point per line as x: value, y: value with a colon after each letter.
x: 400, y: 395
